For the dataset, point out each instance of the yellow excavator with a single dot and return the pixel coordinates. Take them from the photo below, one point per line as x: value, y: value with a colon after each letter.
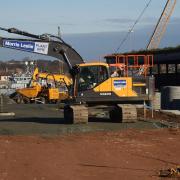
x: 97, y: 89
x: 94, y: 89
x: 44, y: 88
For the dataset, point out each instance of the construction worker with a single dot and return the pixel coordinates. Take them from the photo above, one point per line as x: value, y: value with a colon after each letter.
x: 117, y: 73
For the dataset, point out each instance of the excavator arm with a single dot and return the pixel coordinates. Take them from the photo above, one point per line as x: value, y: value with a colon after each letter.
x: 45, y: 44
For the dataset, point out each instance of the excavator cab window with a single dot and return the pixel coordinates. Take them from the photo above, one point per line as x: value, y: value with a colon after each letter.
x: 91, y: 76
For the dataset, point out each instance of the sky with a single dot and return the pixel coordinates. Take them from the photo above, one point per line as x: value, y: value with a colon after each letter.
x: 78, y: 16
x: 81, y: 18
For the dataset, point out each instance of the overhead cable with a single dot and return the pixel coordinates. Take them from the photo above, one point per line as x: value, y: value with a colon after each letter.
x: 132, y: 28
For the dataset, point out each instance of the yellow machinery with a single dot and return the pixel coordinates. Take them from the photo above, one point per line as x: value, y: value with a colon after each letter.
x: 58, y: 78
x: 94, y: 86
x: 44, y: 88
x: 97, y: 89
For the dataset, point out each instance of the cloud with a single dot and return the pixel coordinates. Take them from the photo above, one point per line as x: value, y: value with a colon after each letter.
x: 148, y: 19
x: 130, y: 21
x: 175, y: 20
x: 119, y: 20
x: 143, y: 21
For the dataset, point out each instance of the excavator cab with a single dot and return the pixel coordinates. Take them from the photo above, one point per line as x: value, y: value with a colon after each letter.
x: 91, y: 75
x: 123, y: 80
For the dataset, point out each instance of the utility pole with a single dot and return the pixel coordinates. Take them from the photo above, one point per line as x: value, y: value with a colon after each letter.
x: 59, y: 31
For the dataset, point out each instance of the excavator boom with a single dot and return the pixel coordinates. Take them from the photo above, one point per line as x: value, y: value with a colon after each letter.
x: 44, y: 44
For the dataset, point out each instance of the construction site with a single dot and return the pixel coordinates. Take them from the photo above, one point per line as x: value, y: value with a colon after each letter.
x: 118, y: 118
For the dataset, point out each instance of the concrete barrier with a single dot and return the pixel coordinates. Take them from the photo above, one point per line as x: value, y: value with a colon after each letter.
x: 170, y: 96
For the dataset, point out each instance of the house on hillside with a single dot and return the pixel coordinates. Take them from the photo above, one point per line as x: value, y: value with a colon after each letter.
x: 4, y: 76
x: 4, y: 80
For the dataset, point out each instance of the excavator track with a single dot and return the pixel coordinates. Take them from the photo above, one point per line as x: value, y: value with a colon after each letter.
x: 129, y: 112
x: 76, y: 114
x: 122, y: 113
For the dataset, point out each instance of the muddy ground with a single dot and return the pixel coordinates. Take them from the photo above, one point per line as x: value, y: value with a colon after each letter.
x: 37, y: 144
x: 130, y: 154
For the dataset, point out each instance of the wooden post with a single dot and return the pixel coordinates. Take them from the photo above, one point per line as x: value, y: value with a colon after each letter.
x: 144, y: 110
x: 152, y: 108
x: 1, y: 103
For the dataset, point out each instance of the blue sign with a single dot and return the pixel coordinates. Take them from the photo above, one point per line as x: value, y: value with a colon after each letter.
x: 21, y: 45
x: 119, y: 84
x: 36, y: 47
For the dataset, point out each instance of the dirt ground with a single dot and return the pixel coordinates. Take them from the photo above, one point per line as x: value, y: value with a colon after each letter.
x: 41, y: 146
x: 159, y: 115
x: 125, y: 154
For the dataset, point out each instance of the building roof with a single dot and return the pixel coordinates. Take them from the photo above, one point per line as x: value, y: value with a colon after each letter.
x: 161, y: 56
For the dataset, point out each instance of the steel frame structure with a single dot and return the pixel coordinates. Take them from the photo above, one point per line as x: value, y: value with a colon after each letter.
x: 161, y: 25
